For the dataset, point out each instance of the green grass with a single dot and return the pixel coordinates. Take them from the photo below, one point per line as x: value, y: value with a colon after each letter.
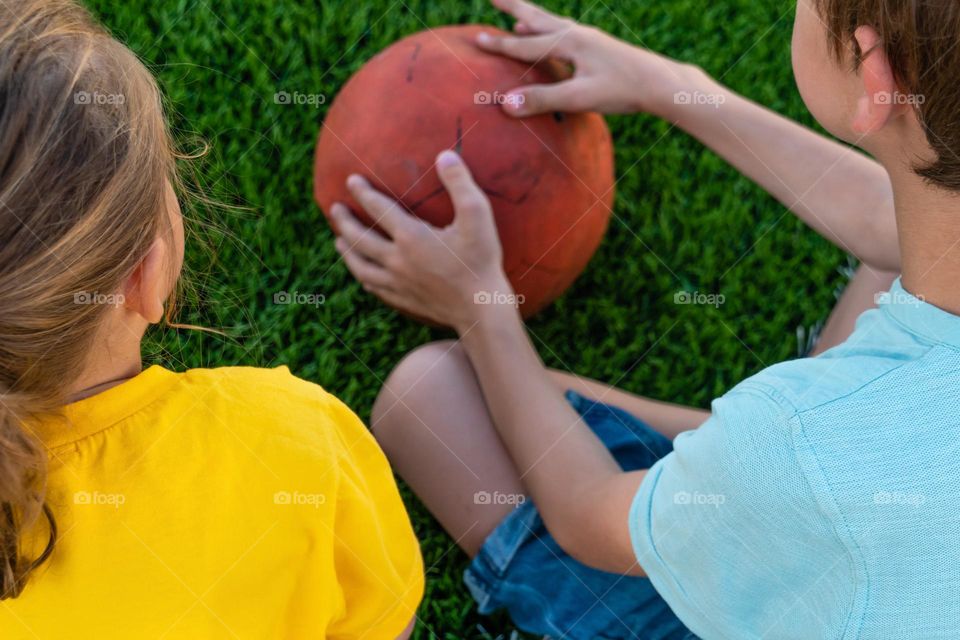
x: 684, y: 219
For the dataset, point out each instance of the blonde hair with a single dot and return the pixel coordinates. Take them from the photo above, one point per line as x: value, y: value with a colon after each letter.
x: 85, y: 156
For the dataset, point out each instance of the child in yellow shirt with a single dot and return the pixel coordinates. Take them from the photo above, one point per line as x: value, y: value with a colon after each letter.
x: 233, y: 502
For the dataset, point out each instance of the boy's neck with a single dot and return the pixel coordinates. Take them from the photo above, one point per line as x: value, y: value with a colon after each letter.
x: 928, y: 222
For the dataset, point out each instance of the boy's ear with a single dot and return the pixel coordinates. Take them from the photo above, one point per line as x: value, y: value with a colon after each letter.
x: 878, y: 104
x: 144, y: 291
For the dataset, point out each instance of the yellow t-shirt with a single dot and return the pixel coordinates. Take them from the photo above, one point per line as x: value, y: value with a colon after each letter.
x: 219, y: 503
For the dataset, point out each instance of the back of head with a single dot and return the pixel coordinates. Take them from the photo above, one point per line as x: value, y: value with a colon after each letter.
x: 921, y: 39
x: 85, y: 157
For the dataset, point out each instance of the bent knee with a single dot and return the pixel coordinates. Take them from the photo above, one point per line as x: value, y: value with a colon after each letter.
x: 416, y: 381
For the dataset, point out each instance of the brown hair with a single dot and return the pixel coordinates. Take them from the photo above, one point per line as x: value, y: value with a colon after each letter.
x: 85, y: 155
x: 921, y: 39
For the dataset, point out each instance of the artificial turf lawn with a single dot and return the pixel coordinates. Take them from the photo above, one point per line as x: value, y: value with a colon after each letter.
x: 684, y: 220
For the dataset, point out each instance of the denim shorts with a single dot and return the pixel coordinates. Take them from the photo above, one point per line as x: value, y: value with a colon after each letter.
x: 520, y: 567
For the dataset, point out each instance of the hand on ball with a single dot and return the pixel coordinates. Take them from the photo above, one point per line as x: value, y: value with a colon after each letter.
x: 610, y: 76
x: 424, y: 270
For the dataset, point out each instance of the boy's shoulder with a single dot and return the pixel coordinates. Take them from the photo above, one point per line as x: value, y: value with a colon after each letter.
x: 877, y: 349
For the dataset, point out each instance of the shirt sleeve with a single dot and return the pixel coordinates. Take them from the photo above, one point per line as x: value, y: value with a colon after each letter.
x: 376, y: 553
x: 730, y: 533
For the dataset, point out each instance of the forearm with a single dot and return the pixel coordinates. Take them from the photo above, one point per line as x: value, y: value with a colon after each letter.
x: 840, y: 193
x: 570, y: 474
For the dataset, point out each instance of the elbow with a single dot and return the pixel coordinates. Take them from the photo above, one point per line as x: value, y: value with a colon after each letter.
x: 573, y: 544
x: 568, y: 532
x: 579, y: 542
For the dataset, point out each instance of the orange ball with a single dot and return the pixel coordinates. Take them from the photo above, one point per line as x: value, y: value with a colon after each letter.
x: 550, y: 178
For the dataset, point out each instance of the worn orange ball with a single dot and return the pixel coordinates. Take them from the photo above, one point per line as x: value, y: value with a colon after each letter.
x: 550, y: 178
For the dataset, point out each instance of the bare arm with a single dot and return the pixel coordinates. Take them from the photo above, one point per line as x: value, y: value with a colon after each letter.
x: 839, y: 192
x: 580, y: 490
x: 842, y: 194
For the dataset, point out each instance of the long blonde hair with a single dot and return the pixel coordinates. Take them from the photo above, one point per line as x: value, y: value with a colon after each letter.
x: 85, y: 155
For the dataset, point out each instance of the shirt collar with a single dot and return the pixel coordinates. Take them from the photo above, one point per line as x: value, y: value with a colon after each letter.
x: 919, y: 317
x: 105, y: 409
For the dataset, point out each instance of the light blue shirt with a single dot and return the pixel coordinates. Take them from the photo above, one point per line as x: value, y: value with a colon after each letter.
x: 822, y: 498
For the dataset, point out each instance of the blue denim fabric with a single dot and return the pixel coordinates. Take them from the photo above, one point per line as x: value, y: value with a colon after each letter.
x: 521, y: 569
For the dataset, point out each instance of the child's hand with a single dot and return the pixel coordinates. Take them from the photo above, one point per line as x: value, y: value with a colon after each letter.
x: 610, y: 75
x: 429, y: 272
